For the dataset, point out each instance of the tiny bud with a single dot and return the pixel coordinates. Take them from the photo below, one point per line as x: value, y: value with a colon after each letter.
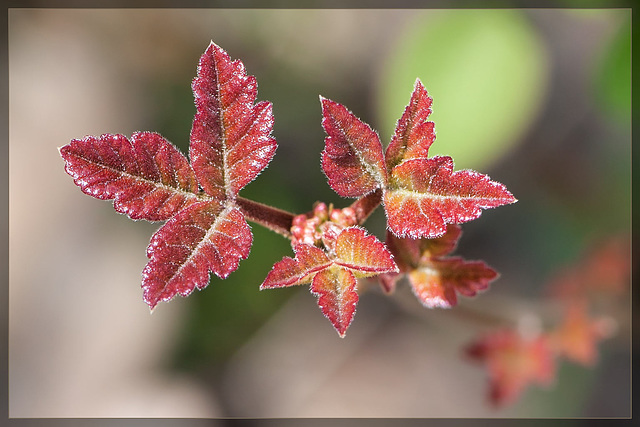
x: 321, y: 211
x: 297, y: 231
x: 299, y: 220
x: 349, y: 216
x: 330, y: 232
x: 309, y: 237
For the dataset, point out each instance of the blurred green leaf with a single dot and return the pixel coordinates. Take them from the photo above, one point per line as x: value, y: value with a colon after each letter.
x: 613, y: 76
x: 486, y: 71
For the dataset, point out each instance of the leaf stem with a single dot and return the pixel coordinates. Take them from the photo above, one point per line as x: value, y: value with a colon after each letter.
x: 269, y: 217
x: 280, y: 221
x: 365, y: 206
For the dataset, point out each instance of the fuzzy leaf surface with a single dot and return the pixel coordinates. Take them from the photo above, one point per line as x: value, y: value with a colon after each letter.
x: 443, y: 245
x: 362, y: 253
x: 147, y: 176
x: 437, y: 281
x: 206, y: 236
x: 424, y: 195
x: 333, y: 271
x: 354, y: 250
x: 435, y: 278
x: 289, y: 272
x: 411, y: 253
x: 231, y: 139
x: 352, y: 159
x: 414, y: 134
x: 337, y: 297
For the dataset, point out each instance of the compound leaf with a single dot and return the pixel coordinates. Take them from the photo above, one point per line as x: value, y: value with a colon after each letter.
x: 333, y: 270
x: 147, y: 176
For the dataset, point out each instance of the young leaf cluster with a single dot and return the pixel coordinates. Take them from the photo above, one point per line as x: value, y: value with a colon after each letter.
x: 206, y: 227
x: 585, y: 294
x: 148, y: 178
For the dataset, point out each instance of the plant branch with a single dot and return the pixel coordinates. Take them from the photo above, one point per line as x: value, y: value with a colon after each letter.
x: 269, y: 217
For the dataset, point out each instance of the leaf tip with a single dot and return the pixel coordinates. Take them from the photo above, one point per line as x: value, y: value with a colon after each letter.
x: 324, y: 102
x: 212, y: 46
x: 265, y: 284
x: 151, y: 302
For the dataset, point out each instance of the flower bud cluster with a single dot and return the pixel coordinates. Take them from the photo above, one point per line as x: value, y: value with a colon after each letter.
x: 322, y: 225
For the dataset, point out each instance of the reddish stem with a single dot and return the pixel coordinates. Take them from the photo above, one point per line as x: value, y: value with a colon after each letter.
x: 272, y: 218
x: 280, y: 221
x: 365, y: 206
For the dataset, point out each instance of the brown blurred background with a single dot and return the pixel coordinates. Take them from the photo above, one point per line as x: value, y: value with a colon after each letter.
x: 538, y: 99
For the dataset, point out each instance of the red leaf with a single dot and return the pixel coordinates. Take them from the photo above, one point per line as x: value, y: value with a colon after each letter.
x: 289, y: 272
x: 231, y: 139
x: 406, y: 252
x: 337, y: 296
x: 437, y: 281
x: 333, y: 271
x: 430, y: 290
x: 411, y: 253
x: 513, y: 362
x: 578, y: 335
x: 206, y: 236
x: 443, y: 245
x: 424, y: 195
x: 603, y: 271
x: 363, y: 253
x: 413, y: 135
x: 388, y: 281
x: 354, y: 249
x: 608, y: 265
x: 352, y: 158
x: 147, y: 177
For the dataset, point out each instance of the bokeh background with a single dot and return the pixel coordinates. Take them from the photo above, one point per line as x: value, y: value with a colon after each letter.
x: 538, y: 99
